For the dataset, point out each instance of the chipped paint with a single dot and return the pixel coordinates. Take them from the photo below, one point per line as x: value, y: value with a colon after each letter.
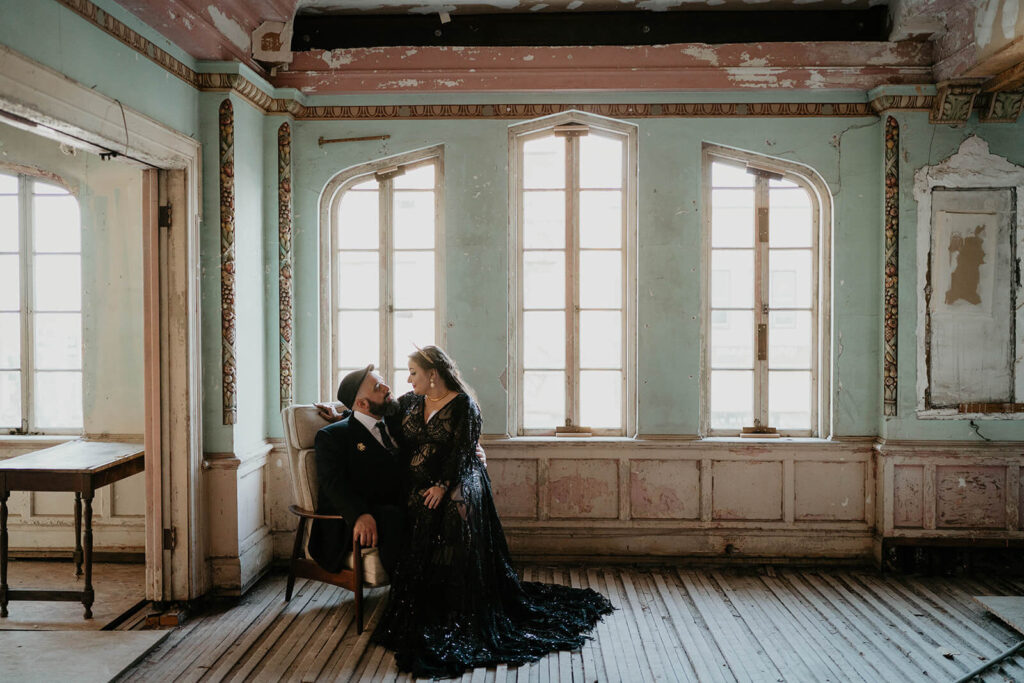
x: 336, y: 58
x: 230, y: 28
x: 704, y: 52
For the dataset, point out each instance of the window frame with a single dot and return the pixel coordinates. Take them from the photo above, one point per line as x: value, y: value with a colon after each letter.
x: 26, y: 314
x: 519, y: 134
x: 821, y: 297
x: 330, y: 199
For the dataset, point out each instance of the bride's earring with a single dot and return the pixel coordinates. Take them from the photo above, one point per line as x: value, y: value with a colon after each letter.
x: 431, y: 382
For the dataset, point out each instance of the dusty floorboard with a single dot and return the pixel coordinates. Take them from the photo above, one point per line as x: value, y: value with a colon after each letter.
x: 672, y: 624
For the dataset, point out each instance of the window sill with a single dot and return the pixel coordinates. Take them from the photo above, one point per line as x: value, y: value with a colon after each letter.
x: 680, y: 440
x: 20, y: 440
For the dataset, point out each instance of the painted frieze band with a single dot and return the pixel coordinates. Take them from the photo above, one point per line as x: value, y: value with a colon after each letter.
x: 284, y: 258
x: 892, y: 234
x: 227, y: 259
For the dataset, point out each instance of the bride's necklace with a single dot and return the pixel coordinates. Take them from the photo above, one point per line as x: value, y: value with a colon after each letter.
x: 438, y: 399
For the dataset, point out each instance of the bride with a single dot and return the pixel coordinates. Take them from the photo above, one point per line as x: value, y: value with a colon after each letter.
x: 456, y: 602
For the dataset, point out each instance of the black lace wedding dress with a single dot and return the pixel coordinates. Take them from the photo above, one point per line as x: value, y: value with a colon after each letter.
x: 456, y: 602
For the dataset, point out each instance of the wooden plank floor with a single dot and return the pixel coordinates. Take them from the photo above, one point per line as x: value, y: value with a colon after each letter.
x: 671, y: 624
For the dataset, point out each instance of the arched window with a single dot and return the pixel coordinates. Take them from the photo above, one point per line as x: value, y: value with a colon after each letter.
x: 40, y: 306
x: 382, y: 266
x: 766, y: 342
x: 573, y: 236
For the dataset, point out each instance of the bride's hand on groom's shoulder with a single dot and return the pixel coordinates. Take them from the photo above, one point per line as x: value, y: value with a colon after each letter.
x: 332, y: 412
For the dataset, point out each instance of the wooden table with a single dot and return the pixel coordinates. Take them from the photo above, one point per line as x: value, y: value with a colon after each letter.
x: 78, y: 466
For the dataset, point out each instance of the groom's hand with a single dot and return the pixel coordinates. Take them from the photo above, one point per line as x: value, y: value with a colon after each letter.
x: 365, y: 531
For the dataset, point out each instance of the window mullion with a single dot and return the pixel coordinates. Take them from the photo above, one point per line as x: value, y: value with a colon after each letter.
x: 572, y: 272
x: 386, y: 259
x: 761, y: 299
x: 27, y: 313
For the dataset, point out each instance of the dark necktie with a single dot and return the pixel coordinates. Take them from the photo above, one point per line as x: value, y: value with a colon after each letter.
x: 384, y: 438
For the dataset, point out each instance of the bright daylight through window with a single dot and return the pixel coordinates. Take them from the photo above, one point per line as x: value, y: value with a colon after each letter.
x: 40, y: 307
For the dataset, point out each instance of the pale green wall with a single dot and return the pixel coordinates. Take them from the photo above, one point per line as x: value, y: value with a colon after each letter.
x: 53, y: 35
x: 923, y: 144
x: 845, y: 152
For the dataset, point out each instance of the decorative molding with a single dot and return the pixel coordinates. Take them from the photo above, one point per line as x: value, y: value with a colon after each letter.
x: 953, y: 103
x: 884, y: 103
x: 238, y: 84
x: 1002, y: 107
x: 890, y: 374
x: 284, y: 259
x: 227, y: 259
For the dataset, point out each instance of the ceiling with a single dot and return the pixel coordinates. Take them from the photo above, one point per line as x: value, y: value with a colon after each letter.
x: 341, y: 46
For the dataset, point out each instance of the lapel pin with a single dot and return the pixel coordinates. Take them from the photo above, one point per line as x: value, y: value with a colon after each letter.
x: 361, y: 446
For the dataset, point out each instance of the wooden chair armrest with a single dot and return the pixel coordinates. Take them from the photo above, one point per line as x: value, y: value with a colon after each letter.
x: 302, y: 512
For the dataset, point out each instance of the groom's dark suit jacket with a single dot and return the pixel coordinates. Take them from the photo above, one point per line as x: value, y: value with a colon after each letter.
x: 355, y: 475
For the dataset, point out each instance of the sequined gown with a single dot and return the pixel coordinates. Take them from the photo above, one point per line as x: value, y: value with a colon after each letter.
x: 456, y: 602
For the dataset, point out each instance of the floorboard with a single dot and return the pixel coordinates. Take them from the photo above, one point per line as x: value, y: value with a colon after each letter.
x: 670, y: 624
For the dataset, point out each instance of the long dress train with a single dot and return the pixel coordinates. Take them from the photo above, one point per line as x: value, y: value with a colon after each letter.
x: 456, y: 602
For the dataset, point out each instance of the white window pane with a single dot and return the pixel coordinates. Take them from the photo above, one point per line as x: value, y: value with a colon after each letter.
x: 600, y: 219
x: 57, y: 226
x: 57, y: 340
x: 357, y: 221
x: 732, y: 339
x: 543, y: 400
x: 789, y: 339
x: 414, y: 220
x: 727, y: 175
x: 400, y: 382
x: 732, y: 218
x: 414, y: 279
x: 358, y: 279
x: 732, y: 278
x: 601, y: 399
x: 732, y: 399
x: 58, y: 282
x: 600, y: 161
x: 543, y: 279
x: 420, y: 178
x: 776, y: 184
x: 10, y: 399
x: 789, y: 400
x: 43, y: 188
x: 10, y: 283
x: 8, y: 184
x: 412, y: 329
x: 57, y: 399
x: 600, y: 279
x: 358, y: 339
x: 600, y: 339
x: 369, y: 183
x: 8, y: 223
x: 544, y: 339
x: 544, y: 219
x: 10, y: 340
x: 544, y: 162
x: 790, y: 281
x: 790, y: 219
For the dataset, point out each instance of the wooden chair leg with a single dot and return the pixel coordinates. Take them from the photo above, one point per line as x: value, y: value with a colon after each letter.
x: 300, y: 535
x: 357, y: 566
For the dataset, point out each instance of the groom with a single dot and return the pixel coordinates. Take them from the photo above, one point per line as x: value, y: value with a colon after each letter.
x: 359, y: 476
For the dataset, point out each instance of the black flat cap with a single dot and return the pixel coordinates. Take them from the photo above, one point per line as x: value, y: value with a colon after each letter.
x: 350, y: 386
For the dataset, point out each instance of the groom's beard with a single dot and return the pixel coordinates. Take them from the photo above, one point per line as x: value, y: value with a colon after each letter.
x: 385, y: 408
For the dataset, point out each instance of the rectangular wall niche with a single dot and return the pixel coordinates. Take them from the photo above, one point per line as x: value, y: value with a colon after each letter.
x: 971, y: 300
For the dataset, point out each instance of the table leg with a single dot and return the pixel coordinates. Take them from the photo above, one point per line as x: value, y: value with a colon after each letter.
x: 87, y: 594
x: 78, y: 533
x: 3, y: 553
